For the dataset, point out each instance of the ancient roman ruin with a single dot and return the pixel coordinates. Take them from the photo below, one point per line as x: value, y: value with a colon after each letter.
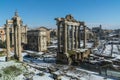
x: 72, y: 46
x: 37, y: 40
x: 47, y: 31
x: 69, y: 37
x: 16, y: 22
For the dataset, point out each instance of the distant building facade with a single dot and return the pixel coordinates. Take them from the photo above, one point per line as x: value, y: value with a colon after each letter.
x: 89, y: 34
x: 47, y: 31
x: 2, y: 34
x: 37, y: 40
x: 98, y: 31
x: 53, y: 33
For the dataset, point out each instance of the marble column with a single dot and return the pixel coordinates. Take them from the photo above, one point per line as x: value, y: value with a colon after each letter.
x: 15, y: 42
x: 72, y: 43
x: 79, y: 37
x: 7, y: 42
x: 39, y: 42
x: 84, y: 40
x: 12, y: 35
x: 59, y: 37
x: 76, y: 37
x: 26, y: 34
x: 20, y: 58
x: 68, y: 35
x: 65, y: 38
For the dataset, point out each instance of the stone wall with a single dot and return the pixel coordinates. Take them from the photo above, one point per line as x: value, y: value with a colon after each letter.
x: 47, y: 33
x: 37, y: 40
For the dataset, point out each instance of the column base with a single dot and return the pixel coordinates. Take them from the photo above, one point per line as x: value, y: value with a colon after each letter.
x: 15, y: 56
x: 61, y: 58
x: 20, y: 59
x: 7, y: 58
x: 69, y: 60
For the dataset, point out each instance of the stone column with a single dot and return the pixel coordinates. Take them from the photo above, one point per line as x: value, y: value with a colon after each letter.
x: 7, y: 42
x: 72, y: 43
x: 15, y: 42
x: 20, y: 58
x: 59, y: 37
x: 68, y: 35
x: 65, y: 38
x: 26, y: 34
x: 12, y: 35
x: 76, y: 37
x: 39, y: 42
x: 84, y: 40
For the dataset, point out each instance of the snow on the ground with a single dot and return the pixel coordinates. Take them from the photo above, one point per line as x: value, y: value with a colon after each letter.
x: 54, y: 41
x: 4, y: 64
x: 115, y: 49
x: 33, y: 52
x: 1, y: 49
x: 2, y: 59
x: 52, y: 46
x: 90, y: 75
x: 116, y: 52
x: 94, y: 77
x: 89, y: 45
x: 107, y: 50
x: 47, y: 76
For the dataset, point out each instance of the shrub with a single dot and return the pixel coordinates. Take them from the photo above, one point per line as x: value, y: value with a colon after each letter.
x: 2, y: 53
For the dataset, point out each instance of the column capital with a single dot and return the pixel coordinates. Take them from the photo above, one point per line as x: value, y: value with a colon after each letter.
x: 82, y: 23
x: 58, y: 24
x: 6, y: 25
x: 65, y: 24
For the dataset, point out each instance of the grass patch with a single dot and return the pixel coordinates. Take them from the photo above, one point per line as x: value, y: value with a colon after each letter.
x: 2, y: 53
x: 12, y: 70
x: 15, y: 59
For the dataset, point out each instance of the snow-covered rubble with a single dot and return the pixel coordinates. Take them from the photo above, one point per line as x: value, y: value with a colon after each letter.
x: 38, y: 69
x: 108, y: 48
